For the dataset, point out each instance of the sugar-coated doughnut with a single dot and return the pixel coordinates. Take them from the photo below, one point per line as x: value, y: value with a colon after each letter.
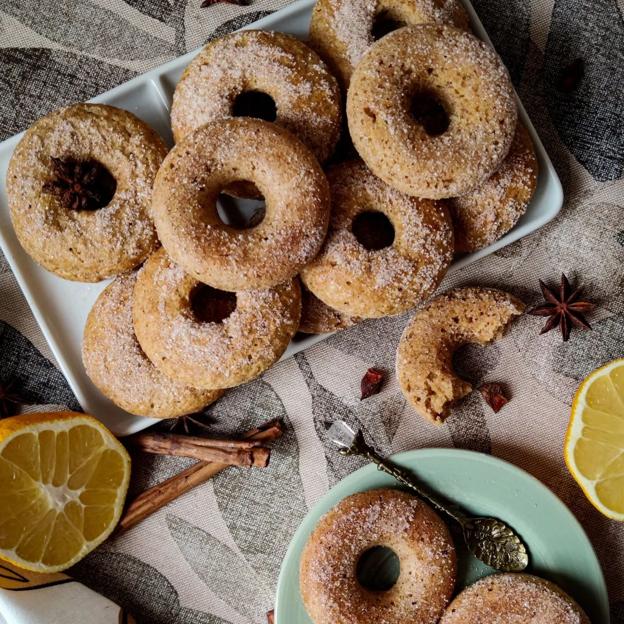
x: 318, y: 318
x: 376, y: 278
x: 424, y: 358
x: 342, y: 30
x: 286, y: 173
x: 246, y: 63
x: 79, y: 185
x: 251, y: 334
x: 116, y: 364
x: 513, y: 599
x: 331, y: 591
x: 395, y: 124
x: 489, y: 212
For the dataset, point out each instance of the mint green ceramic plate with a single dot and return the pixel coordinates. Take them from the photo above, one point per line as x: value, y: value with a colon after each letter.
x: 559, y: 548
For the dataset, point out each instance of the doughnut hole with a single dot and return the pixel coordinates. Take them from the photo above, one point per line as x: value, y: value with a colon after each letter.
x: 373, y: 230
x: 254, y: 104
x: 429, y: 112
x: 81, y: 184
x: 241, y: 213
x: 384, y: 23
x: 378, y: 569
x: 210, y: 305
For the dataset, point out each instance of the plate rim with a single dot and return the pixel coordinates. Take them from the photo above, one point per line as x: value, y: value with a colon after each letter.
x: 322, y: 505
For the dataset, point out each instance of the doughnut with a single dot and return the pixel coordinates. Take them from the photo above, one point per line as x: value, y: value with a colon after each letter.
x: 342, y: 30
x: 514, y: 599
x: 117, y: 365
x: 206, y: 338
x: 225, y: 78
x: 424, y: 358
x: 329, y: 585
x: 295, y: 191
x: 318, y: 318
x: 385, y: 251
x: 79, y: 185
x: 431, y: 110
x: 484, y: 215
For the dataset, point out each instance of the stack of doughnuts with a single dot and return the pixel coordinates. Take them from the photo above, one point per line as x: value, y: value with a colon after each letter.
x: 201, y: 303
x: 341, y: 583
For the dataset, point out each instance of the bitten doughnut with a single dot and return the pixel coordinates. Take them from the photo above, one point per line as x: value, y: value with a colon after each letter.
x: 431, y: 110
x: 117, y: 365
x: 295, y: 191
x: 511, y: 599
x: 235, y: 74
x: 342, y: 30
x: 424, y: 357
x: 319, y: 318
x: 483, y: 216
x: 385, y: 251
x: 210, y: 339
x: 79, y: 185
x: 331, y: 591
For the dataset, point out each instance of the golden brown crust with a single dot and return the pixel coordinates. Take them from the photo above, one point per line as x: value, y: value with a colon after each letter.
x: 116, y: 364
x: 511, y: 599
x: 372, y: 283
x: 484, y: 215
x: 86, y: 245
x: 471, y: 83
x: 319, y: 318
x: 294, y: 187
x: 206, y: 354
x: 329, y: 587
x: 424, y: 357
x: 306, y: 95
x: 342, y: 30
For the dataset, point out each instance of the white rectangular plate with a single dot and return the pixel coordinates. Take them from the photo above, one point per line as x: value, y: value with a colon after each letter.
x: 61, y: 307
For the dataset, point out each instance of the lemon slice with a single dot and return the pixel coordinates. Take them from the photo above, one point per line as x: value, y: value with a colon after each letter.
x: 63, y: 481
x: 594, y: 444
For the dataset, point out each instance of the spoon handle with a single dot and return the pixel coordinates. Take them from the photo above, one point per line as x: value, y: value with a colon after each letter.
x: 408, y: 480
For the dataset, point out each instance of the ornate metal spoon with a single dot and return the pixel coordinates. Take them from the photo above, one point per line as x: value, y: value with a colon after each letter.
x: 488, y: 539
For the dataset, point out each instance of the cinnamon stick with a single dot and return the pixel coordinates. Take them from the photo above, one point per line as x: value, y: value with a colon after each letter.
x: 160, y: 495
x: 232, y: 452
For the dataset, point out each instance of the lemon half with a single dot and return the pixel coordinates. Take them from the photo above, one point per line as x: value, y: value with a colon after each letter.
x: 594, y: 443
x: 63, y: 482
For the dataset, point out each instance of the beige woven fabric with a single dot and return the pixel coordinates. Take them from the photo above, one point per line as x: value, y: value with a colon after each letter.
x: 213, y: 555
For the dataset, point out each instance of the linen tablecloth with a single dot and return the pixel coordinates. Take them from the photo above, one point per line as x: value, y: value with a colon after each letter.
x: 213, y: 555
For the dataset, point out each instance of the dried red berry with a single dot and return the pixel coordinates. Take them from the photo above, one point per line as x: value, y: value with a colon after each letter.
x: 494, y: 396
x: 371, y: 383
x: 271, y: 617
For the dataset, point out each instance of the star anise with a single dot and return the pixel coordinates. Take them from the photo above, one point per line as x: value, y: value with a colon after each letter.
x: 191, y: 424
x: 564, y: 308
x: 10, y: 400
x: 81, y: 184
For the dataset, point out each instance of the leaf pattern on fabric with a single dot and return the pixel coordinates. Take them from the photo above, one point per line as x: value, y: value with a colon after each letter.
x: 508, y: 28
x: 30, y: 79
x: 237, y: 22
x: 38, y: 380
x: 588, y: 123
x: 373, y: 341
x: 89, y: 28
x: 378, y: 420
x: 274, y: 505
x: 468, y: 425
x: 170, y: 13
x: 222, y: 570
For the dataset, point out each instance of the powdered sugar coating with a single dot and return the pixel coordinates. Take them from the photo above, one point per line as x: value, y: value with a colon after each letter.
x: 329, y: 587
x: 205, y: 354
x: 514, y: 599
x: 86, y: 245
x: 365, y: 283
x: 306, y: 95
x: 117, y: 365
x: 469, y: 80
x: 483, y: 216
x: 294, y: 187
x: 424, y: 363
x: 342, y: 30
